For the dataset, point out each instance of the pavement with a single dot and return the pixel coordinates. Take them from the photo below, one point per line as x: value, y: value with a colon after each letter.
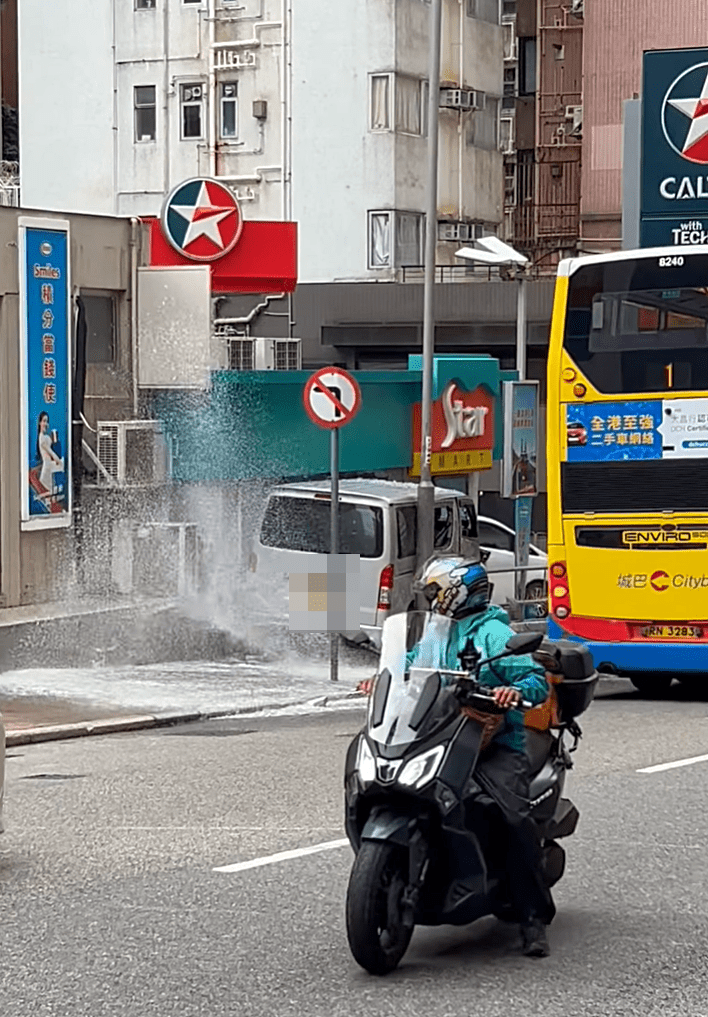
x: 43, y: 704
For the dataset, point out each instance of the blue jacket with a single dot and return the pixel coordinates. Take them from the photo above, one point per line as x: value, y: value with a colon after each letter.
x: 490, y: 632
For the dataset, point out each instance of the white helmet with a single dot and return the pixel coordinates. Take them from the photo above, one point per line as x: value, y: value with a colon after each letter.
x: 455, y: 587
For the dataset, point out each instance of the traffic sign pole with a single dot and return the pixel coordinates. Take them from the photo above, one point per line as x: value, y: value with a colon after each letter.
x: 334, y: 543
x: 332, y: 398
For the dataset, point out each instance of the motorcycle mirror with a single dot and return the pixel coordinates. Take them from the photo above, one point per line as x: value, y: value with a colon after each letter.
x: 524, y: 642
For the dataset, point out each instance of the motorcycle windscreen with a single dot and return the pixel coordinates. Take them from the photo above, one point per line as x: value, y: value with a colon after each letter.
x: 408, y: 698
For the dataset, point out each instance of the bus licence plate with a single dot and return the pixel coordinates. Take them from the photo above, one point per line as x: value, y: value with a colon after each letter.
x: 671, y: 632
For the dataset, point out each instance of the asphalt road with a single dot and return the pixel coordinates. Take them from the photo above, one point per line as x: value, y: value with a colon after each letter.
x: 110, y: 902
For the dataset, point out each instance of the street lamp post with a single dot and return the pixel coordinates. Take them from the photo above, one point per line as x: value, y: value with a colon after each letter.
x: 426, y: 491
x: 495, y: 252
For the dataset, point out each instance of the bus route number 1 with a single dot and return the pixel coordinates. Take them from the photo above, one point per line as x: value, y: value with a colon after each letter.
x: 675, y: 259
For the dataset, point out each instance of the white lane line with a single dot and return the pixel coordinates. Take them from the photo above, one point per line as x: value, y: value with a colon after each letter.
x: 672, y: 766
x: 282, y: 856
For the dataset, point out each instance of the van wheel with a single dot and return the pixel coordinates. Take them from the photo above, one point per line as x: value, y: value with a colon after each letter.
x: 536, y: 592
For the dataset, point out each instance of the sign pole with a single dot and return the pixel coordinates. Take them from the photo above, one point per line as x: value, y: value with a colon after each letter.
x: 334, y: 548
x: 332, y: 398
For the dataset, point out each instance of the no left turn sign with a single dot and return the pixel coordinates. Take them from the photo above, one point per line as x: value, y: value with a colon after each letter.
x: 332, y: 397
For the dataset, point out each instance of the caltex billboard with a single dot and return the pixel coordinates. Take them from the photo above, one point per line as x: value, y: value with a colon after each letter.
x: 674, y: 185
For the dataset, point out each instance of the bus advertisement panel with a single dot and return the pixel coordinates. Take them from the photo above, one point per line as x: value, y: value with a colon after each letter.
x: 628, y: 461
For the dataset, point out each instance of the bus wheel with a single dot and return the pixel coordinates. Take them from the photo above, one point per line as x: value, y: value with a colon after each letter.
x: 695, y: 684
x: 651, y: 685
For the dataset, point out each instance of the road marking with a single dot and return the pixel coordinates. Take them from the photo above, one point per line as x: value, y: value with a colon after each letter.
x: 282, y: 856
x: 672, y: 766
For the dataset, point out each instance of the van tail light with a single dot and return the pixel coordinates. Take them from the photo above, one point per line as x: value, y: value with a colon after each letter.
x: 252, y: 562
x: 558, y: 589
x: 385, y: 588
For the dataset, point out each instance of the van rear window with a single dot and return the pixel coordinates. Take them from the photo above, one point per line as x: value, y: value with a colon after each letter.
x: 303, y: 524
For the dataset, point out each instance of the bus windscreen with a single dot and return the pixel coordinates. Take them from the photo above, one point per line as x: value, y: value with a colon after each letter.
x: 640, y: 326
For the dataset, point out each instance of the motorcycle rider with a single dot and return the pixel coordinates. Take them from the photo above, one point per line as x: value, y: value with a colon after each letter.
x: 460, y: 590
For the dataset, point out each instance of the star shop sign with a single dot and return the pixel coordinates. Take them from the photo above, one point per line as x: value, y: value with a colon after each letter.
x: 202, y: 219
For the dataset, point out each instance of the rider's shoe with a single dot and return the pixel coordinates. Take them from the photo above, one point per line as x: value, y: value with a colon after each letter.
x: 534, y: 939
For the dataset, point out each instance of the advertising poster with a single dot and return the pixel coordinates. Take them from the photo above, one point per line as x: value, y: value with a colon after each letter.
x: 520, y: 470
x: 45, y: 361
x: 646, y: 429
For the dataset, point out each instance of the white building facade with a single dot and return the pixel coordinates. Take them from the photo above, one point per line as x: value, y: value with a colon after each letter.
x: 310, y: 112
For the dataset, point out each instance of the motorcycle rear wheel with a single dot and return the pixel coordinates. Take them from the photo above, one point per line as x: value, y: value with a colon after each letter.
x: 377, y: 935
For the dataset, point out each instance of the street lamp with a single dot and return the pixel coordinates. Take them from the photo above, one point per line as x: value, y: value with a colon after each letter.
x: 426, y: 491
x: 496, y: 252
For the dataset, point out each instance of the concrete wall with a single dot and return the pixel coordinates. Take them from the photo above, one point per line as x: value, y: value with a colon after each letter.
x: 37, y: 566
x: 66, y: 97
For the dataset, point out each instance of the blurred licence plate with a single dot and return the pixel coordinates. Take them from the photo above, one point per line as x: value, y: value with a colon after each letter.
x: 671, y: 632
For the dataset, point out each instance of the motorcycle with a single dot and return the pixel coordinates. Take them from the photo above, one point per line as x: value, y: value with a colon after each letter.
x: 422, y: 829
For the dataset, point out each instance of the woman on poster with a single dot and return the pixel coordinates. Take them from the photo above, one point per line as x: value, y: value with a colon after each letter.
x: 50, y: 462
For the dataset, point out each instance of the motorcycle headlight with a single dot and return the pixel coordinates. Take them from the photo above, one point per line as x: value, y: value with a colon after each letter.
x: 417, y: 772
x: 365, y: 762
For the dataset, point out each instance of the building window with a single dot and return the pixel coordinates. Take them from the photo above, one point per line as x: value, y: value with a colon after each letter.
x: 395, y: 239
x: 380, y: 90
x: 145, y: 5
x: 100, y: 309
x: 509, y: 40
x: 484, y: 10
x: 192, y: 111
x: 411, y: 97
x: 509, y: 8
x: 228, y: 119
x: 484, y: 129
x: 506, y: 135
x: 527, y: 66
x: 145, y: 112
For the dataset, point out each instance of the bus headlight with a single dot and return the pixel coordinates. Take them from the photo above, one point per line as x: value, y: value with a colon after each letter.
x: 419, y: 771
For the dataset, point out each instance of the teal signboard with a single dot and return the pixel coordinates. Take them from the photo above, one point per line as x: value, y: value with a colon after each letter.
x: 674, y: 184
x: 254, y: 425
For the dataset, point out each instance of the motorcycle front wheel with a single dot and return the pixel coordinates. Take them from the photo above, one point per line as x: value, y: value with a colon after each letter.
x: 378, y: 937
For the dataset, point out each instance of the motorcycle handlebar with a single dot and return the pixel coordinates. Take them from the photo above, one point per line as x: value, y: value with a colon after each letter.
x: 469, y: 687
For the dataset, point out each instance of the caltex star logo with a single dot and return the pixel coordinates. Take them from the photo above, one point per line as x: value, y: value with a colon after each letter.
x: 202, y: 219
x: 684, y: 114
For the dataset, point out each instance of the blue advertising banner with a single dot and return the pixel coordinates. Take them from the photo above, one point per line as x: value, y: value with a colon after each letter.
x: 601, y: 432
x: 45, y: 330
x: 674, y: 148
x: 520, y: 469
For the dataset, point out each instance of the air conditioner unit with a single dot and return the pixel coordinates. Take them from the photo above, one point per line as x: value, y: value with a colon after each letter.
x: 160, y: 559
x: 133, y: 453
x: 277, y: 355
x: 459, y: 231
x: 449, y: 231
x: 575, y: 114
x: 478, y: 99
x: 450, y: 98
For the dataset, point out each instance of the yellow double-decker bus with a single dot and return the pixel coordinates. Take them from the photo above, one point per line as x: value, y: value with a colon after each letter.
x: 628, y: 461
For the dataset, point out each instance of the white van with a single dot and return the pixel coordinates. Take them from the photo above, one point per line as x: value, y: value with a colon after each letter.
x: 378, y: 521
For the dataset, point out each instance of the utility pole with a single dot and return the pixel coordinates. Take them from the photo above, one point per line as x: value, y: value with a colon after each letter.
x: 426, y: 491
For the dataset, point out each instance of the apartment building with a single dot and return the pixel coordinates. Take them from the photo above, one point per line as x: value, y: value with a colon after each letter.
x: 310, y: 113
x: 571, y: 65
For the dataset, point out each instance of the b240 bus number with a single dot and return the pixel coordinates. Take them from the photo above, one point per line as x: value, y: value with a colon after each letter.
x: 671, y: 260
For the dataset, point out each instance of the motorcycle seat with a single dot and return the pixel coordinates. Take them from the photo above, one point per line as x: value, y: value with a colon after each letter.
x: 538, y: 747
